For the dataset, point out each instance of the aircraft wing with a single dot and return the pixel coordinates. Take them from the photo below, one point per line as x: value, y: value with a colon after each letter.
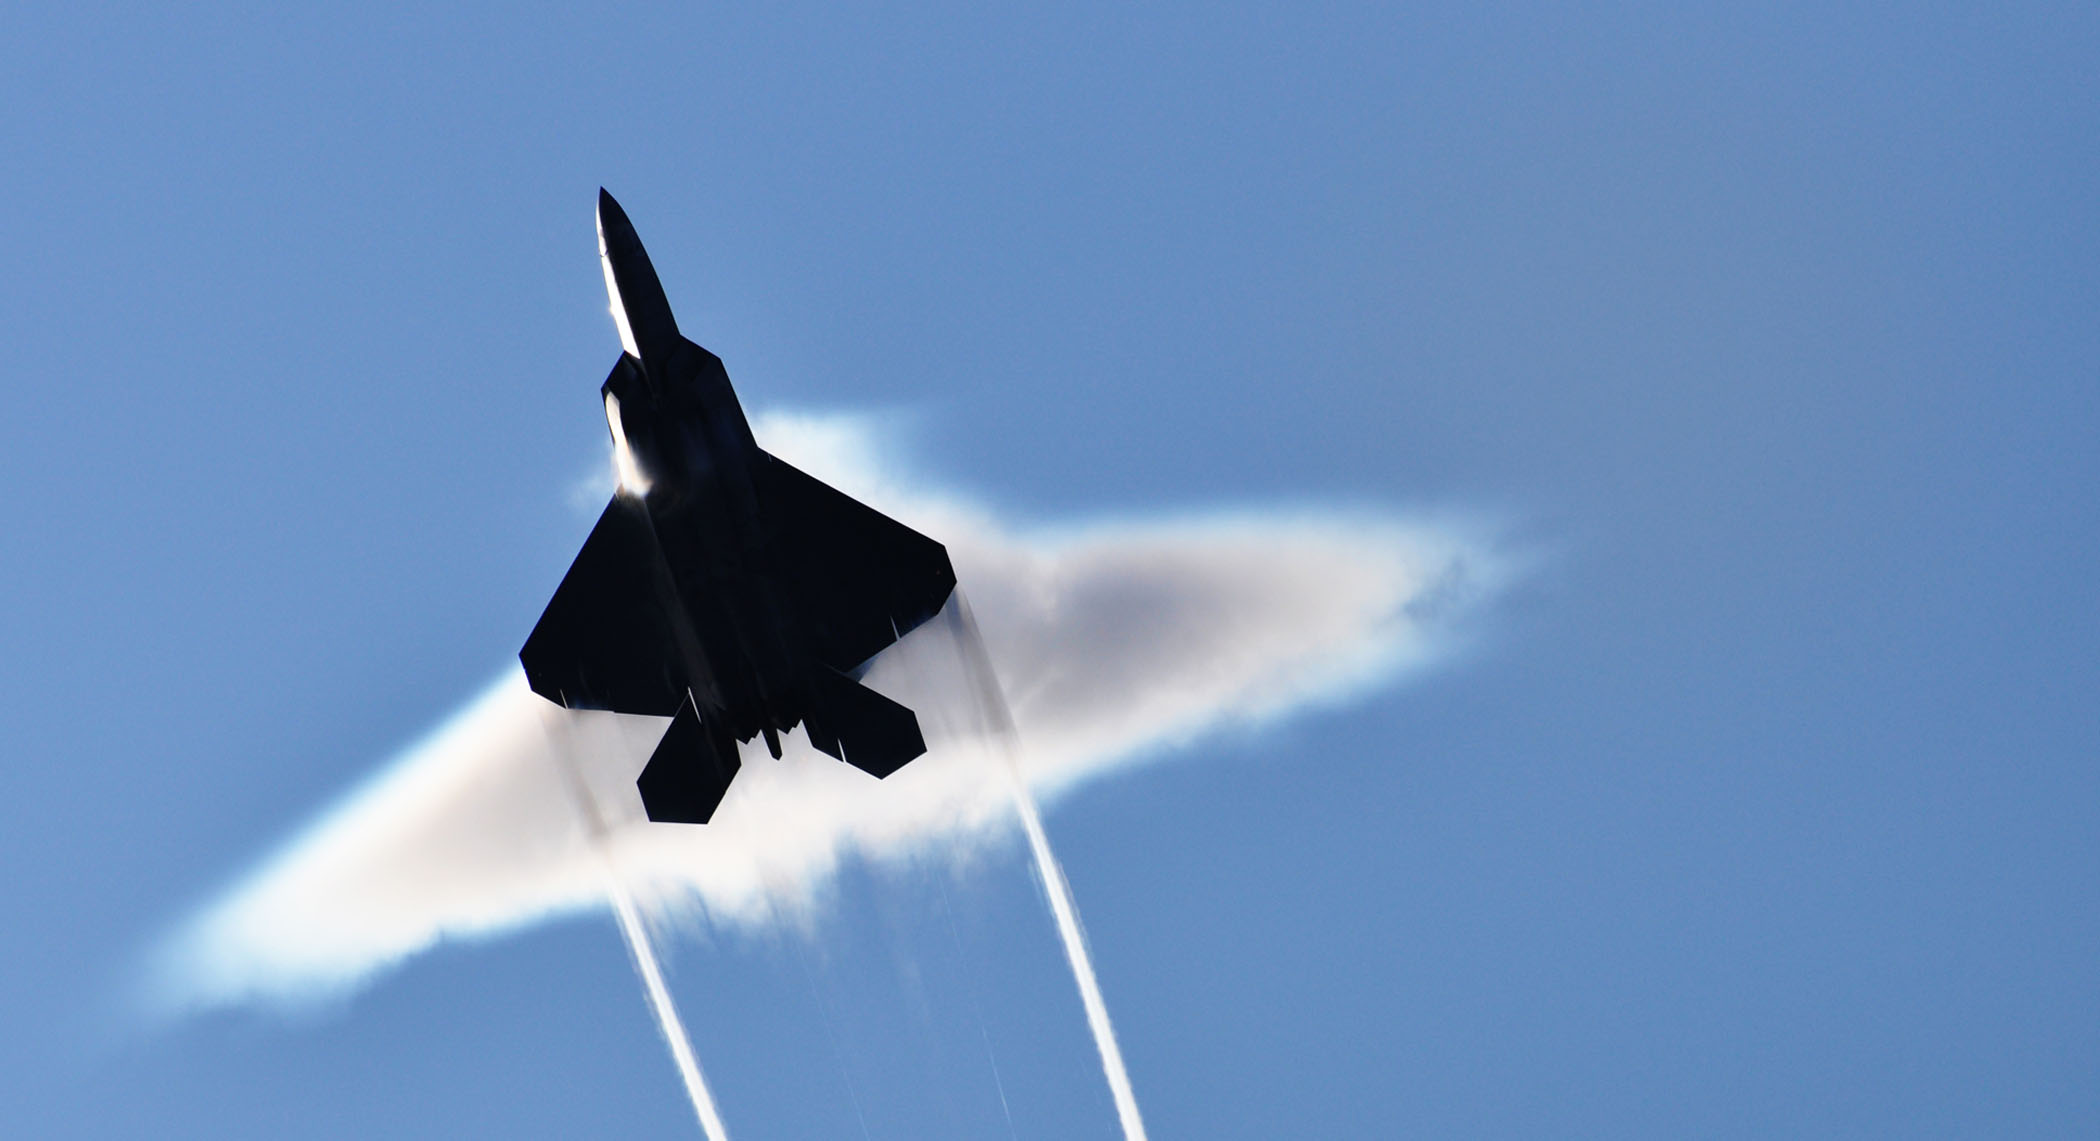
x: 606, y: 639
x: 860, y: 579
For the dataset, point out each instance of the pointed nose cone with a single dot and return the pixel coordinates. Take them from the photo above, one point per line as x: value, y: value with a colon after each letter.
x: 639, y: 308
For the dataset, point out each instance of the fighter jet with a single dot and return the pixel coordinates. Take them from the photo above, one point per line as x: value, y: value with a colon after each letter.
x: 723, y: 588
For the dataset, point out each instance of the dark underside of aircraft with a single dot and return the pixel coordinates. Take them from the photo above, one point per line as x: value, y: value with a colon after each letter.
x: 723, y: 588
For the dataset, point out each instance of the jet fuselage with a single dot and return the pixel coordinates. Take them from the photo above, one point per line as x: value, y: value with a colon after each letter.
x: 722, y: 587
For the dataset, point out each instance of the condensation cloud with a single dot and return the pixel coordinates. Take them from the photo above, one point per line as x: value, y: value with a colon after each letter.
x: 1118, y: 641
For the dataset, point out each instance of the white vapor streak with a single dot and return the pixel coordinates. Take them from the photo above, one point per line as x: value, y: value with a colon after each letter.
x: 1117, y: 642
x: 558, y: 726
x: 667, y: 1019
x: 991, y: 703
x: 1082, y: 961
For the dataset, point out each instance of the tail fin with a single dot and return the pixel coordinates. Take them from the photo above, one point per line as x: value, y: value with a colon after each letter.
x: 690, y: 770
x: 861, y: 727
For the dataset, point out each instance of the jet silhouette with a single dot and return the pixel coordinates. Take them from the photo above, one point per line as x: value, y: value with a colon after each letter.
x: 722, y: 587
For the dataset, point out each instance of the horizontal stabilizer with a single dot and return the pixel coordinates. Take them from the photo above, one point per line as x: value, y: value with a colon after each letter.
x: 861, y: 727
x: 690, y: 770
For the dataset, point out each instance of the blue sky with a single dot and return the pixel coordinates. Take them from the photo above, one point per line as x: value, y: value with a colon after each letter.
x: 1766, y: 805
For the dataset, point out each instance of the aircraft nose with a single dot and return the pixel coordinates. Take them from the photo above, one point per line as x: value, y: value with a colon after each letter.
x: 647, y: 330
x: 612, y: 221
